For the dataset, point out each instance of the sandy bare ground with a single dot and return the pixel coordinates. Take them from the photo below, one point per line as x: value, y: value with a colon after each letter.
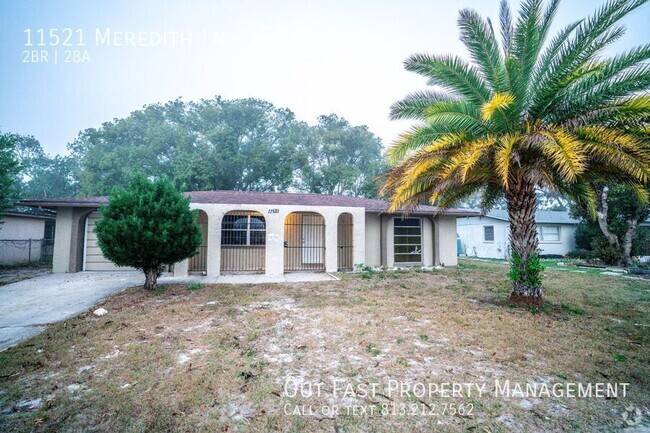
x: 345, y: 356
x: 10, y: 275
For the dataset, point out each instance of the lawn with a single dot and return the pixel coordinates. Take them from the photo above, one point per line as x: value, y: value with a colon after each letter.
x: 235, y: 358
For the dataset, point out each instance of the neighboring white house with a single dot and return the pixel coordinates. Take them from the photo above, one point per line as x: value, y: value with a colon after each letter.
x: 26, y: 234
x: 487, y: 236
x: 275, y: 233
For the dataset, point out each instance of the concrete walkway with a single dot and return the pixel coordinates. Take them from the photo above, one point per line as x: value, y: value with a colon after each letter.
x: 27, y: 306
x: 249, y: 279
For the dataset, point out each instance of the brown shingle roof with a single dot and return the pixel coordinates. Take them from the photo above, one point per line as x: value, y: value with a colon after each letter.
x: 257, y: 198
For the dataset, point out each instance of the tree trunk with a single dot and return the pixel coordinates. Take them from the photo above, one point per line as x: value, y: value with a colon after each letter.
x: 525, y: 276
x: 601, y: 214
x: 151, y: 279
x: 627, y: 241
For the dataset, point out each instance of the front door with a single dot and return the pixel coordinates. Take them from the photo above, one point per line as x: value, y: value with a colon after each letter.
x: 312, y: 239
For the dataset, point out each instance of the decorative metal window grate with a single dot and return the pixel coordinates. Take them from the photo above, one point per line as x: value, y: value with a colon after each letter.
x: 243, y: 242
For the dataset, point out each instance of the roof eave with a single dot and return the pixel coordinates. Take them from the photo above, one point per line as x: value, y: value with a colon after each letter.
x: 53, y: 204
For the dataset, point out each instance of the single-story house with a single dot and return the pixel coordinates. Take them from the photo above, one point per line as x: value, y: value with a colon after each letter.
x: 274, y: 233
x: 26, y: 234
x: 487, y: 236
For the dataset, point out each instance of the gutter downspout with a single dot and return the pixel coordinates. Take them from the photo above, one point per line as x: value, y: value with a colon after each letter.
x: 433, y: 246
x: 381, y: 239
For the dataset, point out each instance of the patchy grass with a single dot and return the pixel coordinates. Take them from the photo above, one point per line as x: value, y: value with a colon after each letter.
x: 218, y: 359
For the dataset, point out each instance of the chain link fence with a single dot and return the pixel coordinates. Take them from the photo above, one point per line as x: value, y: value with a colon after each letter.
x: 16, y: 252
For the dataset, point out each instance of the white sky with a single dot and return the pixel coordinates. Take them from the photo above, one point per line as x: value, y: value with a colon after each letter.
x: 342, y: 57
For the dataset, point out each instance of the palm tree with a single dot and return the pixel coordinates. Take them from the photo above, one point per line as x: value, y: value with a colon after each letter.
x: 528, y: 112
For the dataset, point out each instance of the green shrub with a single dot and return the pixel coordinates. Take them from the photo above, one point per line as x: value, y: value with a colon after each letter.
x: 529, y: 274
x: 194, y: 286
x: 147, y: 225
x: 605, y: 252
x: 580, y: 254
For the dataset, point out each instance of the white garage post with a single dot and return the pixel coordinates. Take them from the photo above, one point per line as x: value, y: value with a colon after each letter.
x: 215, y: 217
x: 275, y: 243
x: 331, y: 241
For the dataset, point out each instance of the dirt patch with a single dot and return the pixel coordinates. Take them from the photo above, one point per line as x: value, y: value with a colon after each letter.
x: 13, y: 275
x: 274, y: 357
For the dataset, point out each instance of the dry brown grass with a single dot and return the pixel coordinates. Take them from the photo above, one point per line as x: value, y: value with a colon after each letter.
x: 217, y: 359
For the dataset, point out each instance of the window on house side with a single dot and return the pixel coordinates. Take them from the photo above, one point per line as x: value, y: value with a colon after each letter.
x: 243, y: 229
x: 549, y: 233
x: 488, y: 233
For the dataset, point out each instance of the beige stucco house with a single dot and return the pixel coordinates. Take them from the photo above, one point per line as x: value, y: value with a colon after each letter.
x: 276, y: 233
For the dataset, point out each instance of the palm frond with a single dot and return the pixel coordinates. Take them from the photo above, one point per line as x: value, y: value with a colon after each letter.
x: 478, y: 36
x: 591, y: 35
x: 505, y: 21
x: 419, y: 136
x: 581, y: 192
x: 552, y: 90
x: 503, y: 157
x: 499, y: 101
x: 606, y: 83
x: 455, y: 114
x: 547, y: 20
x: 556, y: 115
x: 565, y: 152
x: 551, y: 51
x: 624, y: 152
x: 526, y: 47
x: 452, y: 197
x: 414, y: 105
x: 641, y: 193
x: 451, y: 73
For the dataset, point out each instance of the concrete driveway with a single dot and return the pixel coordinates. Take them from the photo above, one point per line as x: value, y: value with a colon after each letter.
x: 28, y: 305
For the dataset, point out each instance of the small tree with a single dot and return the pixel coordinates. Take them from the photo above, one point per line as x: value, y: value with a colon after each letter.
x: 147, y: 225
x: 613, y: 233
x: 9, y: 168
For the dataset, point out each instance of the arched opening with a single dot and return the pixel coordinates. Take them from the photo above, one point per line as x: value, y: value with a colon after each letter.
x: 198, y: 263
x: 344, y: 242
x: 243, y: 242
x: 304, y: 242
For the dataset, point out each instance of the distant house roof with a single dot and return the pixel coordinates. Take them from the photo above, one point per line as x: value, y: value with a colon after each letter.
x: 541, y: 216
x: 30, y: 212
x: 263, y: 198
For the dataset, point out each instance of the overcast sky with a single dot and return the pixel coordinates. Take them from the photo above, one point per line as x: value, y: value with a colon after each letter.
x: 342, y: 57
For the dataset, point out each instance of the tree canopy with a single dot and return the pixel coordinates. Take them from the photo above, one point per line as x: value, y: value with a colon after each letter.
x: 337, y: 158
x: 243, y: 144
x: 9, y: 168
x: 42, y: 175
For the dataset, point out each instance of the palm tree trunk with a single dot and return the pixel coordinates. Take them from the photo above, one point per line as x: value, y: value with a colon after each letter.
x: 525, y: 271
